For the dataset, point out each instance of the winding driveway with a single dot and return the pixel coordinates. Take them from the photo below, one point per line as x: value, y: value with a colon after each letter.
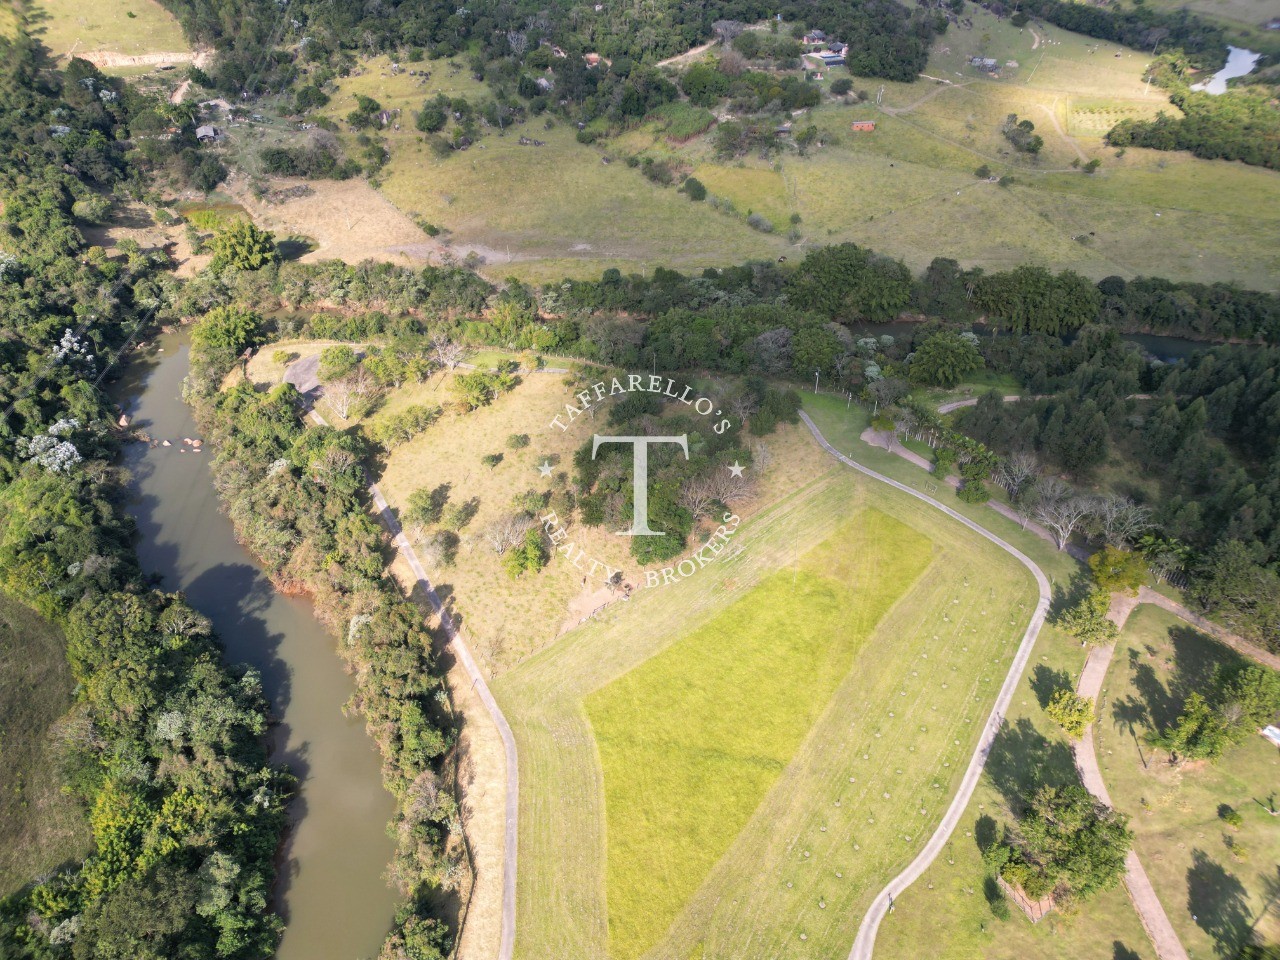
x: 1142, y: 894
x: 864, y: 943
x: 507, y: 935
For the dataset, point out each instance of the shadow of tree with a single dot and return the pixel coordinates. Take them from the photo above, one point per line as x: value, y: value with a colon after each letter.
x: 1067, y: 595
x: 1217, y: 903
x: 1023, y: 759
x: 1121, y: 952
x: 985, y: 832
x: 1045, y: 682
x: 1159, y: 704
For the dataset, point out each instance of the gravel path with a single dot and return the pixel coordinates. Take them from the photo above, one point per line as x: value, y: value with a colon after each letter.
x: 864, y: 943
x: 1142, y: 894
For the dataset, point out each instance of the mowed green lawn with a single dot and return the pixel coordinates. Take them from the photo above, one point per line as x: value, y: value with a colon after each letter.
x: 692, y: 740
x: 40, y: 827
x: 1215, y: 896
x: 831, y: 803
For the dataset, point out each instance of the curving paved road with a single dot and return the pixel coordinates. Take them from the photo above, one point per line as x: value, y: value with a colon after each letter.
x: 507, y: 935
x: 864, y: 943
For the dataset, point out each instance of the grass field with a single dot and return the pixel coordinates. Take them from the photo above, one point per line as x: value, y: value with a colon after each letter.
x: 40, y: 828
x: 1183, y: 843
x: 857, y: 797
x: 125, y: 27
x: 950, y: 895
x: 692, y: 740
x: 509, y: 620
x: 907, y: 189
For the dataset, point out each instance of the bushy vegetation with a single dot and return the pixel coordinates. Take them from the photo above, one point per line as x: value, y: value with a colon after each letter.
x: 1241, y: 124
x: 1065, y: 844
x: 297, y: 496
x: 164, y: 745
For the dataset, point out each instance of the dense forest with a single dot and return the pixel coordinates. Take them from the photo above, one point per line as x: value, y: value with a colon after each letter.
x: 1199, y: 453
x: 164, y: 746
x: 1241, y: 124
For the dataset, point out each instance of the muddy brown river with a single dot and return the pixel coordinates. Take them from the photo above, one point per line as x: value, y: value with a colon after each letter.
x: 331, y: 889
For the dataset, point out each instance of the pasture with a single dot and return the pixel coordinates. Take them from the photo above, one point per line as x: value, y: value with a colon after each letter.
x: 126, y: 28
x: 1218, y: 884
x: 665, y: 814
x: 907, y: 189
x: 40, y: 826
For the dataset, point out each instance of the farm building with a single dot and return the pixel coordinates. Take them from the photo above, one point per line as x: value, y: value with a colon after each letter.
x: 592, y: 59
x: 862, y: 126
x: 984, y: 63
x: 814, y: 37
x: 207, y: 133
x: 545, y: 84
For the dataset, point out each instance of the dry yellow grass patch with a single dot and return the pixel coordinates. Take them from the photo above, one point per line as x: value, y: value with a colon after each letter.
x: 507, y: 620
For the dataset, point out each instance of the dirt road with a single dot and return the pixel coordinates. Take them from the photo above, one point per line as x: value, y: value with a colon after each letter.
x: 1141, y: 893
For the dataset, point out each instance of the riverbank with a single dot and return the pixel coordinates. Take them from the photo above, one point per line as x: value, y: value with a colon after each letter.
x: 331, y: 889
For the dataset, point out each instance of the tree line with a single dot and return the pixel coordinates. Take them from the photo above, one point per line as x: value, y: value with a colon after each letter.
x: 165, y: 745
x: 1240, y: 124
x: 297, y: 496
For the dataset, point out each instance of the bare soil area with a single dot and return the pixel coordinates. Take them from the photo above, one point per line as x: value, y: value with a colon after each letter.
x: 347, y: 219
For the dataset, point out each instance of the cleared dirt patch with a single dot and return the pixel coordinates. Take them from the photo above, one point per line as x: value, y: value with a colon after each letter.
x: 348, y: 220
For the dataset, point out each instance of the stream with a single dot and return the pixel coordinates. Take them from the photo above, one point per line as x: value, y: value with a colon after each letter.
x: 331, y: 889
x: 1239, y: 63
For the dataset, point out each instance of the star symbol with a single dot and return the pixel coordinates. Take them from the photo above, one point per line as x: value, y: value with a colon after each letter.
x: 544, y: 468
x: 736, y: 469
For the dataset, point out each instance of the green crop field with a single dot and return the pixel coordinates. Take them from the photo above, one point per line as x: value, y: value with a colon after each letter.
x: 688, y: 795
x: 40, y: 827
x: 1226, y: 879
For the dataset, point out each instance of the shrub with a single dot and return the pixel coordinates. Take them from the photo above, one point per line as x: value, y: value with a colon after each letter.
x: 983, y: 172
x: 518, y: 441
x: 1231, y: 816
x: 695, y: 189
x: 757, y: 222
x: 973, y: 491
x: 243, y: 246
x: 1071, y: 712
x: 841, y: 85
x: 1116, y: 570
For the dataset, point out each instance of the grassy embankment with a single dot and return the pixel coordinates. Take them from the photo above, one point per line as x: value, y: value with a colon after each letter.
x: 40, y: 827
